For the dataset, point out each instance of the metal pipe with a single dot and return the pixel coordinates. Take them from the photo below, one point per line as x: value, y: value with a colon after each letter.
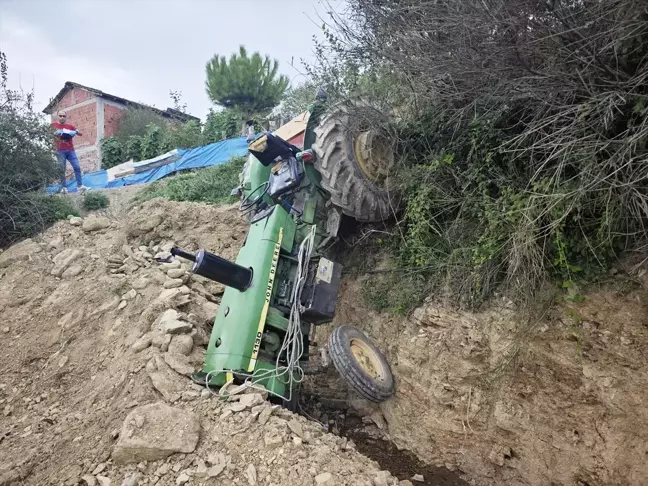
x: 218, y: 269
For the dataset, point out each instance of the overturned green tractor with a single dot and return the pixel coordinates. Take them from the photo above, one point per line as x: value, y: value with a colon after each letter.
x: 282, y: 284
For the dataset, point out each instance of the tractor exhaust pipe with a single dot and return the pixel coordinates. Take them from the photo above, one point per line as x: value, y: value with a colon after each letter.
x: 218, y: 269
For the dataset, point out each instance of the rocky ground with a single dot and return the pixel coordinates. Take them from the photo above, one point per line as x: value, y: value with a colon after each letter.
x: 509, y: 397
x: 98, y: 339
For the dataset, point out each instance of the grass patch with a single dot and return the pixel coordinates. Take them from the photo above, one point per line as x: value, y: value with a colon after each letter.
x: 395, y: 293
x: 95, y: 200
x: 212, y: 185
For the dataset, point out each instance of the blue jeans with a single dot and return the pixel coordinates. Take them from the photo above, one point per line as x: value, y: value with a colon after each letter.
x: 62, y: 156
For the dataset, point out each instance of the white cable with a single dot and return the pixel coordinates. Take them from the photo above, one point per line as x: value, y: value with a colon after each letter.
x: 293, y: 343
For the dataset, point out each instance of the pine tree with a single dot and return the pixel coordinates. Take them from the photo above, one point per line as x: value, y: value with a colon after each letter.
x: 248, y: 84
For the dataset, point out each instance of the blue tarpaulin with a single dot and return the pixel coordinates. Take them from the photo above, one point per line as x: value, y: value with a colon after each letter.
x: 208, y: 155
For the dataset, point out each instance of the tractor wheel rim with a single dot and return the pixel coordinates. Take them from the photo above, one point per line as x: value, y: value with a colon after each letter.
x: 373, y: 156
x: 367, y: 359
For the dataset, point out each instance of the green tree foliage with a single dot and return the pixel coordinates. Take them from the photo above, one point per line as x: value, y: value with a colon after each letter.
x: 248, y: 84
x: 297, y: 99
x: 517, y: 167
x: 27, y: 163
x: 186, y: 135
x: 133, y: 148
x: 135, y: 122
x: 152, y: 142
x: 112, y: 152
x: 220, y: 125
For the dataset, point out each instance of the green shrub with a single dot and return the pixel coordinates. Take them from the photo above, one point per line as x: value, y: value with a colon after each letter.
x: 133, y: 148
x: 211, y: 185
x: 112, y: 153
x: 35, y: 213
x: 27, y: 164
x: 95, y: 200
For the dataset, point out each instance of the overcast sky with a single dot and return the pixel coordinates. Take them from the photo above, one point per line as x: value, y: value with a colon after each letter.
x: 141, y: 49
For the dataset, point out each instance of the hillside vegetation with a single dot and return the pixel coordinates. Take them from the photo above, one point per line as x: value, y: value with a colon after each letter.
x: 521, y: 129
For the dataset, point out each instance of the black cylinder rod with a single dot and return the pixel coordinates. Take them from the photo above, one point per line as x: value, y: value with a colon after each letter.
x: 218, y: 269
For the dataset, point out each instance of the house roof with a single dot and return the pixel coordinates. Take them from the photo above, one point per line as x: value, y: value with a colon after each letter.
x: 69, y: 85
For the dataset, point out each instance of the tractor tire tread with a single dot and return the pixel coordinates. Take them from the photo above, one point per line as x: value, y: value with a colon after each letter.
x: 349, y: 369
x: 342, y: 178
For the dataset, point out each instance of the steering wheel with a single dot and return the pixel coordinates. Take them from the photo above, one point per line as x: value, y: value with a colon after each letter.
x: 248, y: 203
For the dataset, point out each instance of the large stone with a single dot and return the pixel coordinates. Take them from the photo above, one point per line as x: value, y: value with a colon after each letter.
x: 179, y: 363
x: 251, y: 400
x: 161, y: 341
x: 72, y: 272
x: 251, y: 475
x: 324, y: 478
x: 177, y: 327
x: 144, y: 224
x: 142, y: 343
x: 176, y: 273
x: 169, y: 323
x: 164, y: 379
x: 63, y: 260
x: 296, y: 428
x: 76, y: 221
x: 265, y: 414
x: 153, y: 432
x: 140, y: 283
x: 19, y: 252
x: 210, y: 310
x: 95, y: 224
x: 181, y: 344
x: 55, y: 243
x: 173, y: 283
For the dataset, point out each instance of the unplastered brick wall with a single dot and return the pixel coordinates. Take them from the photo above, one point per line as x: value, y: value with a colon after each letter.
x: 73, y: 97
x: 112, y: 114
x: 85, y: 119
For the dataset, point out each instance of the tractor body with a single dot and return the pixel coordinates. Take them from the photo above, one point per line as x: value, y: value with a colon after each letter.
x: 281, y: 284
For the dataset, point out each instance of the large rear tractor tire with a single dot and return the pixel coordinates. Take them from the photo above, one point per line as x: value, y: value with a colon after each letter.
x: 361, y: 364
x: 355, y: 161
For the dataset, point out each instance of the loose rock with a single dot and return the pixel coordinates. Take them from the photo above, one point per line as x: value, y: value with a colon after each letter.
x: 183, y: 478
x: 103, y: 481
x: 95, y: 224
x: 296, y: 428
x: 89, y: 480
x: 265, y: 414
x: 178, y: 363
x: 251, y: 475
x: 142, y: 343
x: 130, y: 295
x: 175, y: 273
x: 173, y: 283
x: 131, y: 480
x: 164, y: 431
x: 63, y: 260
x: 140, y: 283
x: 76, y: 221
x: 324, y: 478
x: 181, y: 344
x: 72, y: 272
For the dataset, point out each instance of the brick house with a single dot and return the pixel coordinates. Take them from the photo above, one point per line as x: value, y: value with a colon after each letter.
x: 96, y: 114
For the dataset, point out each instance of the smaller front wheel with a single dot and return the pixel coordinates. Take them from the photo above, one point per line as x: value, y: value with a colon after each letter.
x: 361, y: 364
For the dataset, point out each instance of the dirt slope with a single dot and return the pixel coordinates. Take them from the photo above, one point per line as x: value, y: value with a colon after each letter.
x: 84, y: 346
x: 560, y: 400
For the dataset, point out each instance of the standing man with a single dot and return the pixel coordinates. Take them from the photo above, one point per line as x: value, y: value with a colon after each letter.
x: 65, y: 150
